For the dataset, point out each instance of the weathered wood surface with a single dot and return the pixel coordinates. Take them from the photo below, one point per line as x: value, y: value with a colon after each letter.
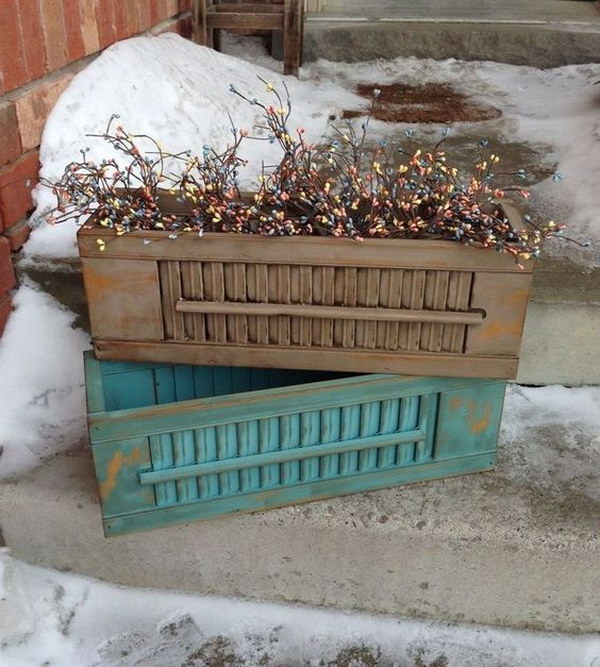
x: 177, y: 443
x: 238, y: 20
x: 323, y: 358
x: 328, y: 312
x: 199, y: 30
x: 387, y: 305
x: 210, y: 17
x: 505, y: 305
x: 300, y: 250
x: 249, y: 7
x: 124, y: 299
x: 293, y: 34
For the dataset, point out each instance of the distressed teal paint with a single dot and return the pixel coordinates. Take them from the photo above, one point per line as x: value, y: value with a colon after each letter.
x: 275, y: 457
x: 177, y: 443
x: 117, y: 470
x: 467, y: 421
x: 265, y: 500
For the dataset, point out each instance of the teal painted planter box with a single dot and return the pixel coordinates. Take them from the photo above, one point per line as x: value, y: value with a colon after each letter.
x: 173, y: 444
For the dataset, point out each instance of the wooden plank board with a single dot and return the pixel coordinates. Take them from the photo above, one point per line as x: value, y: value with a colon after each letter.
x: 199, y: 32
x: 276, y: 456
x: 292, y: 36
x: 247, y: 21
x: 255, y: 502
x: 123, y: 300
x: 264, y: 404
x: 170, y: 292
x: 243, y: 293
x: 504, y: 301
x: 117, y: 465
x: 370, y: 312
x: 469, y: 420
x: 314, y: 251
x: 192, y: 287
x: 333, y: 359
x: 178, y: 460
x: 93, y: 384
x: 459, y: 293
x: 249, y: 7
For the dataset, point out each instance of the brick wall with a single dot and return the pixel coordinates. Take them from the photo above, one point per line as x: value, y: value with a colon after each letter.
x: 43, y: 44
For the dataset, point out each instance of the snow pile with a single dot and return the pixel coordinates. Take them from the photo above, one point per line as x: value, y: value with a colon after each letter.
x: 577, y: 408
x: 176, y: 92
x: 43, y: 401
x: 64, y: 620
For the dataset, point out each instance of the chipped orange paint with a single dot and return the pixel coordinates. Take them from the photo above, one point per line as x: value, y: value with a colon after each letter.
x: 100, y: 281
x: 114, y: 467
x: 455, y: 403
x: 479, y: 425
x: 500, y: 329
x: 517, y: 297
x: 511, y: 323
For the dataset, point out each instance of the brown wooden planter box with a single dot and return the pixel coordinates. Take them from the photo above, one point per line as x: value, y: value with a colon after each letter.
x: 394, y: 306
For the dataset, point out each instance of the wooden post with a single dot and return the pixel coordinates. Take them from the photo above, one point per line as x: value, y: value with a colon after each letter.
x: 199, y: 33
x: 209, y: 17
x: 292, y: 36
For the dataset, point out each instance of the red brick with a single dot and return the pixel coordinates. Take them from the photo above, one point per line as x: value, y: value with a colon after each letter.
x: 33, y: 107
x: 16, y: 182
x: 121, y: 21
x: 10, y: 144
x: 89, y: 28
x: 75, y: 43
x: 144, y: 15
x: 12, y: 62
x: 33, y: 37
x: 17, y: 234
x: 5, y: 311
x: 132, y: 19
x: 105, y: 18
x: 55, y: 34
x: 172, y: 8
x: 154, y: 11
x: 7, y: 274
x: 162, y: 10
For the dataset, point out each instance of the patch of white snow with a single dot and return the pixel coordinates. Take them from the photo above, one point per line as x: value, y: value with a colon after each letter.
x: 43, y: 400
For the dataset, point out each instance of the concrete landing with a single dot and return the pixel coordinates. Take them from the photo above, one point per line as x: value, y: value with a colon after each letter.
x: 572, y: 11
x: 562, y: 327
x: 517, y: 547
x: 540, y: 33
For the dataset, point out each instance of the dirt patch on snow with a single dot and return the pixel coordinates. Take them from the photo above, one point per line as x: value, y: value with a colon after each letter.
x: 427, y: 103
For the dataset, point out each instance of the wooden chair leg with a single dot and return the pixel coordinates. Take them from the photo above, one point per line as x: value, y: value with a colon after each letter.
x: 301, y: 41
x: 269, y: 42
x: 200, y: 33
x: 292, y: 35
x: 215, y: 39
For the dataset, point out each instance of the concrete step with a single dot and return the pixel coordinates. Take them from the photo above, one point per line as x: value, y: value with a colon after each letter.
x: 458, y: 10
x: 516, y: 547
x: 562, y: 328
x: 539, y: 33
